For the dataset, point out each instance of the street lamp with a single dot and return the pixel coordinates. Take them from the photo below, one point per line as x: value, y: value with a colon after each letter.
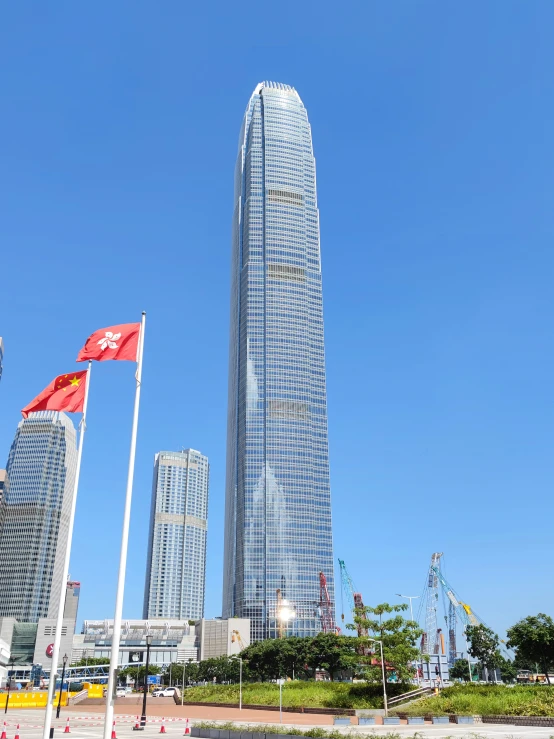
x: 64, y: 662
x: 383, y: 673
x: 184, y: 671
x: 411, y: 598
x: 148, y: 643
x: 12, y: 661
x: 240, y: 679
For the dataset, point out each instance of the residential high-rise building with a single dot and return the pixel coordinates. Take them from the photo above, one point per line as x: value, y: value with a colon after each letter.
x: 34, y: 516
x: 176, y: 568
x: 278, y: 502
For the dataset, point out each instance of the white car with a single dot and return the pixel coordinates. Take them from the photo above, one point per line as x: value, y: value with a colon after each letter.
x: 165, y: 693
x: 120, y: 693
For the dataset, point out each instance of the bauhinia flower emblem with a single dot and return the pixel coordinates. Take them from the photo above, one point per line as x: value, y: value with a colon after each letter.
x: 109, y: 341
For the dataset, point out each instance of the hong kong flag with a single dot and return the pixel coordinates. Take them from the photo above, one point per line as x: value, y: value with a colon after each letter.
x: 114, y: 342
x: 65, y: 393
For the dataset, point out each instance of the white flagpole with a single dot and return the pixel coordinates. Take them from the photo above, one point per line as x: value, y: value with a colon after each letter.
x: 116, y: 636
x: 61, y: 604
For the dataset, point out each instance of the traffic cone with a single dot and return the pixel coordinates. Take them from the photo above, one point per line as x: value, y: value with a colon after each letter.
x: 66, y: 730
x: 17, y: 732
x: 4, y: 736
x: 162, y: 727
x: 113, y: 732
x: 136, y: 726
x: 187, y: 730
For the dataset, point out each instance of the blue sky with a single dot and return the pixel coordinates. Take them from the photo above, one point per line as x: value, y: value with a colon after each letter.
x: 432, y: 126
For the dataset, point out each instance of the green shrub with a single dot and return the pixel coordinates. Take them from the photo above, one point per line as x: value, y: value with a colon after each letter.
x: 487, y: 700
x: 298, y: 693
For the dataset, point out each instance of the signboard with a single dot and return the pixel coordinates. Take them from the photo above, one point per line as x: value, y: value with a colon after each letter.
x: 154, y: 679
x: 49, y: 650
x: 136, y: 657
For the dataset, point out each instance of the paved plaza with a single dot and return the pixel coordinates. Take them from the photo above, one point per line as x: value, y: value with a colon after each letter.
x: 86, y: 724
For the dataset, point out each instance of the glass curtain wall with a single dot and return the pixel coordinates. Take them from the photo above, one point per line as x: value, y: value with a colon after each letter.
x: 278, y: 508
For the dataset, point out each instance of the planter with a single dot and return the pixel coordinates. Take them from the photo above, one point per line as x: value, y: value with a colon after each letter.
x: 464, y: 719
x: 416, y: 720
x: 341, y: 720
x: 440, y: 719
x: 366, y: 721
x: 234, y: 734
x: 391, y: 720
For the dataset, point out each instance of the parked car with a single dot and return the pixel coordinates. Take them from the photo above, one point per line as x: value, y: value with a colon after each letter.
x: 164, y: 693
x: 120, y: 693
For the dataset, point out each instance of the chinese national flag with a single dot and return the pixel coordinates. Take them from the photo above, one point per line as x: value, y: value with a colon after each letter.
x: 65, y: 393
x: 114, y: 342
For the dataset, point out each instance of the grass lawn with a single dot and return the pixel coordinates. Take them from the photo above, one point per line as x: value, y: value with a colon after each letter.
x: 487, y: 700
x: 297, y: 693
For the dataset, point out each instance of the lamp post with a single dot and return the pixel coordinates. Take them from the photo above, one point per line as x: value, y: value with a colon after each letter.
x: 148, y: 643
x: 64, y: 662
x: 12, y: 662
x: 411, y: 598
x: 184, y: 672
x: 240, y: 679
x: 383, y: 673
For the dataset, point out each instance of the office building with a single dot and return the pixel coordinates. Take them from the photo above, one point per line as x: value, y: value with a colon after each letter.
x: 278, y: 505
x: 176, y: 566
x: 2, y: 483
x: 34, y: 516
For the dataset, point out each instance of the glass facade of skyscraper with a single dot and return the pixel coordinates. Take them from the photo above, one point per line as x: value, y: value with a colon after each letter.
x: 176, y: 568
x: 34, y: 516
x: 278, y: 503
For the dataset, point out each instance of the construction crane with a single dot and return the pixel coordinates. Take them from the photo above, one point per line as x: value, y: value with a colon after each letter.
x: 326, y: 607
x: 347, y: 588
x: 457, y: 609
x: 431, y: 638
x: 355, y: 600
x: 460, y: 609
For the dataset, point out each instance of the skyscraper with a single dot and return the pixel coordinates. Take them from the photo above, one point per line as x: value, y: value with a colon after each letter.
x: 34, y: 516
x: 278, y: 502
x: 176, y: 568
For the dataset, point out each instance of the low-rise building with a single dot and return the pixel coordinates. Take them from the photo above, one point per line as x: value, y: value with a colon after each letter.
x: 222, y: 636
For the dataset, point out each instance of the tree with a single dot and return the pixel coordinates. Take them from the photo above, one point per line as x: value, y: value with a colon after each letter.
x: 533, y: 638
x: 399, y: 638
x: 333, y: 653
x: 137, y: 673
x: 174, y: 673
x: 460, y: 670
x: 219, y: 670
x: 483, y: 645
x: 508, y: 668
x: 275, y: 658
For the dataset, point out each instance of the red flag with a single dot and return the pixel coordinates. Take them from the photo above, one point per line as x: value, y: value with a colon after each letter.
x: 65, y: 393
x: 114, y: 342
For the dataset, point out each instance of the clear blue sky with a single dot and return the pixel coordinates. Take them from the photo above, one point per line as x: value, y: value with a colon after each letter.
x: 432, y: 126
